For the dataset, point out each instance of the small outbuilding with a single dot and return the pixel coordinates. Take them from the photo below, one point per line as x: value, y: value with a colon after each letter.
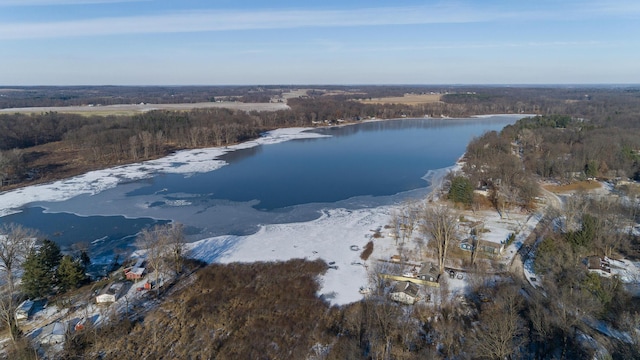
x: 598, y: 264
x: 24, y: 310
x: 53, y: 333
x: 110, y: 293
x: 405, y: 292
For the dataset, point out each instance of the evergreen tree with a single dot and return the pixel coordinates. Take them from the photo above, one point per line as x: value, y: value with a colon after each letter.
x: 461, y: 190
x: 39, y: 269
x: 36, y: 280
x: 85, y: 260
x: 50, y: 254
x: 585, y: 236
x: 70, y: 273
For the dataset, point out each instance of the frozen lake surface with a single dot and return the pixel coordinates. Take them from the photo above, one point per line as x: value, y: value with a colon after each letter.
x: 288, y: 176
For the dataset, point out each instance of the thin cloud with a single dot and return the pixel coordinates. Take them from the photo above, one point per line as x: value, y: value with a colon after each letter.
x: 17, y: 3
x: 488, y: 45
x: 212, y: 20
x: 199, y: 21
x: 620, y: 7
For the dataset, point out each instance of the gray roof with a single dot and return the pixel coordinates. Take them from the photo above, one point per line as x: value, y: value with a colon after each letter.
x: 406, y: 287
x: 428, y: 269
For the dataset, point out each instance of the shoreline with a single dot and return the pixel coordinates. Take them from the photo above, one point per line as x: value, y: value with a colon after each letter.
x: 330, y: 236
x: 188, y: 161
x: 185, y: 162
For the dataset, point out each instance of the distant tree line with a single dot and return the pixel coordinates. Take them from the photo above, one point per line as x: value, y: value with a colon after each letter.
x: 569, y: 146
x: 30, y: 96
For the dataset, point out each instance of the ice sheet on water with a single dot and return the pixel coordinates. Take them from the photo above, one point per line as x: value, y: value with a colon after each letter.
x: 182, y: 162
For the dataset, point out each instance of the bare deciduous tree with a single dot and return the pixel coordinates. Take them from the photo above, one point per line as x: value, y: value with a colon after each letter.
x: 499, y: 334
x: 396, y: 222
x: 147, y: 140
x: 440, y: 224
x: 176, y: 247
x: 15, y: 242
x: 164, y: 247
x: 630, y: 322
x: 133, y: 147
x: 574, y: 207
x: 475, y: 243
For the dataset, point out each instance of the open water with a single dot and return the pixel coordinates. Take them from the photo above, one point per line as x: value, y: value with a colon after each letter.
x: 364, y: 165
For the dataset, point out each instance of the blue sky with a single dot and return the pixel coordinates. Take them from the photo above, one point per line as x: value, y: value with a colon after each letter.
x: 224, y: 42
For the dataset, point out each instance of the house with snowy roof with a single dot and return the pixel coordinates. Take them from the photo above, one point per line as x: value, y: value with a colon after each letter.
x: 136, y: 271
x: 53, y: 333
x: 599, y: 265
x: 405, y: 292
x: 428, y: 272
x: 110, y: 293
x: 24, y: 310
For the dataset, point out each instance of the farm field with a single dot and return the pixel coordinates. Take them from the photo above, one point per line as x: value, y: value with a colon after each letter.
x: 575, y: 186
x: 407, y: 99
x: 132, y: 109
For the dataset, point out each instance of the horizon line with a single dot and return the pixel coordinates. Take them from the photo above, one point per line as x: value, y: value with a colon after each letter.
x: 8, y: 86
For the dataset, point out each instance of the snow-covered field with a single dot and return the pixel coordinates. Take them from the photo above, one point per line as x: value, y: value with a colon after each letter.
x: 140, y: 108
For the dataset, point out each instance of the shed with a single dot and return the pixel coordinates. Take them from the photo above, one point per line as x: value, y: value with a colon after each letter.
x: 24, y: 310
x: 110, y: 293
x: 53, y: 333
x: 596, y: 263
x: 405, y: 292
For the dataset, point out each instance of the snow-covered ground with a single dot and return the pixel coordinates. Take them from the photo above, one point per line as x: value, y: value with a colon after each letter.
x: 182, y: 162
x: 329, y: 238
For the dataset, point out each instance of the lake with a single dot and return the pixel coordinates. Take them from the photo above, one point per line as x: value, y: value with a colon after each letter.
x: 356, y: 166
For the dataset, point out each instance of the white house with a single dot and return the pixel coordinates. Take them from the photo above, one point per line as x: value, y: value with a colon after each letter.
x: 405, y: 292
x: 110, y: 293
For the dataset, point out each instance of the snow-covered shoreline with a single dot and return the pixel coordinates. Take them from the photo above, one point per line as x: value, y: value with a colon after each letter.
x: 329, y: 237
x: 182, y: 162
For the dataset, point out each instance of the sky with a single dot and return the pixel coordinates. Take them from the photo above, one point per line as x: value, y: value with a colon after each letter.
x: 224, y: 42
